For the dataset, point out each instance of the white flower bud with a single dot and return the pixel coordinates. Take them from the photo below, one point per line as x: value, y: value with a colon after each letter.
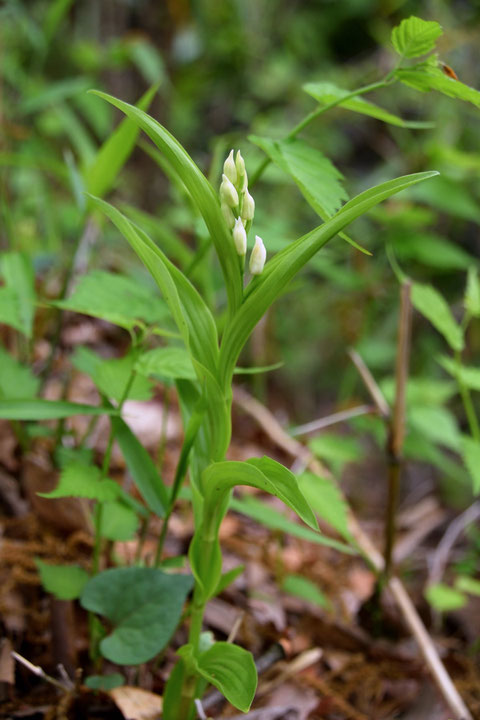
x: 240, y: 237
x: 248, y: 207
x: 258, y: 256
x: 229, y: 168
x: 240, y: 164
x: 228, y: 193
x: 228, y: 215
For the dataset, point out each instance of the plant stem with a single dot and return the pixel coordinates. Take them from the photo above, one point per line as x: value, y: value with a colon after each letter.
x: 467, y: 400
x: 313, y: 115
x: 397, y: 427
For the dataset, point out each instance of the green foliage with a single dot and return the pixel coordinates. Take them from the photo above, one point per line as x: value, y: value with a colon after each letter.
x: 16, y: 380
x: 104, y: 682
x: 77, y: 480
x: 415, y: 37
x: 118, y: 522
x: 444, y: 598
x: 304, y: 589
x: 429, y: 77
x: 471, y: 457
x: 166, y: 362
x: 472, y: 293
x: 144, y: 606
x: 115, y: 298
x: 47, y: 409
x: 66, y: 582
x: 326, y: 499
x: 433, y: 306
x: 17, y: 296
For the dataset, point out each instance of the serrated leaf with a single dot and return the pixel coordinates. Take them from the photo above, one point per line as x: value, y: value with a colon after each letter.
x: 141, y: 467
x: 10, y: 309
x: 444, y: 598
x: 262, y: 292
x: 143, y: 604
x: 472, y: 293
x: 170, y: 362
x: 317, y: 178
x: 115, y: 151
x: 16, y: 380
x: 305, y: 589
x: 118, y: 522
x: 231, y: 670
x: 326, y: 93
x: 326, y: 500
x: 47, y: 409
x: 77, y: 480
x: 426, y: 78
x: 415, y: 37
x: 17, y: 272
x: 200, y: 189
x: 437, y: 424
x: 468, y: 376
x: 433, y: 306
x: 66, y: 582
x: 112, y: 376
x: 115, y: 298
x: 471, y: 458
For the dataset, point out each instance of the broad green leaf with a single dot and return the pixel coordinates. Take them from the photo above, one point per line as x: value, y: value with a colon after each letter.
x: 100, y: 176
x: 468, y: 584
x: 231, y: 670
x: 216, y: 484
x: 326, y: 500
x: 433, y: 306
x: 166, y: 362
x: 141, y: 467
x: 10, y: 313
x: 317, y: 178
x: 203, y: 194
x: 448, y: 197
x: 337, y: 450
x: 144, y: 606
x: 432, y: 250
x: 112, y: 376
x: 437, y: 424
x: 118, y: 522
x: 17, y: 272
x: 444, y: 598
x: 77, y: 480
x: 421, y: 390
x: 305, y: 589
x: 271, y: 518
x: 105, y: 682
x: 415, y: 37
x: 471, y: 458
x: 263, y: 291
x: 66, y: 582
x: 47, y: 409
x: 426, y: 78
x: 115, y: 298
x: 326, y: 93
x: 472, y: 293
x: 193, y: 318
x: 468, y: 376
x: 16, y: 380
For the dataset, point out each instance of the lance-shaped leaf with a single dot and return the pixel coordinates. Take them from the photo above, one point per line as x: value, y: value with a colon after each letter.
x: 115, y: 151
x: 47, y: 409
x: 326, y: 93
x: 217, y: 482
x: 278, y: 272
x: 200, y: 189
x: 434, y: 307
x: 193, y: 318
x: 427, y: 77
x: 17, y: 272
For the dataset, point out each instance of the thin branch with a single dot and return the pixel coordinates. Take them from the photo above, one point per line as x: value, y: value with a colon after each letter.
x: 39, y: 672
x: 447, y: 689
x: 440, y: 558
x: 370, y: 383
x: 332, y: 419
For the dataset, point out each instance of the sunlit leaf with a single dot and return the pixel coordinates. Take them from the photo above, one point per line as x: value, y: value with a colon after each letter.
x: 16, y: 380
x: 426, y: 78
x: 66, y: 582
x: 415, y: 37
x: 434, y: 307
x: 77, y: 480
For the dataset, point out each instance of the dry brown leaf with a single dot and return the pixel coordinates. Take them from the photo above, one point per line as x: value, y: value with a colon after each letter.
x: 136, y: 704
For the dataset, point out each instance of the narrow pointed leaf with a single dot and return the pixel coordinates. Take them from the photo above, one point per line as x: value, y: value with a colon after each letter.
x: 200, y: 189
x: 434, y: 307
x: 427, y: 77
x: 284, y: 266
x: 47, y: 409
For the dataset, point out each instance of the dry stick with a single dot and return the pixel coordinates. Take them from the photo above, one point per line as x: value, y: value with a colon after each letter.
x: 446, y: 544
x: 397, y: 427
x: 37, y: 670
x: 332, y: 419
x: 274, y: 430
x: 370, y: 383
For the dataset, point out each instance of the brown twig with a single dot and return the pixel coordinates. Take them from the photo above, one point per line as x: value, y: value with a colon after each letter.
x: 430, y: 655
x: 397, y: 427
x: 332, y: 419
x: 40, y: 672
x: 370, y: 383
x: 446, y: 544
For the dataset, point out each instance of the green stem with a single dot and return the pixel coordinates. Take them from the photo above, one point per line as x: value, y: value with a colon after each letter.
x: 316, y: 113
x: 467, y: 401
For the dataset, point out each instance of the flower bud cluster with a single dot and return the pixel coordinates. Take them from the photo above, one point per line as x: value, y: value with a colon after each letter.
x: 238, y: 208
